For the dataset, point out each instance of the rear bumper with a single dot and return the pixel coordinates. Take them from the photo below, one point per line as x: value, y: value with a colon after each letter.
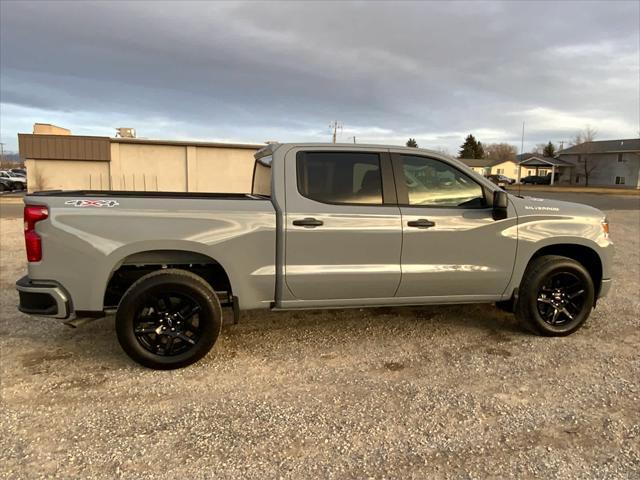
x: 43, y: 298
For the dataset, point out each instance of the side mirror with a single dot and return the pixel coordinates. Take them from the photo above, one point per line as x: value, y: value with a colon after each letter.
x: 500, y: 203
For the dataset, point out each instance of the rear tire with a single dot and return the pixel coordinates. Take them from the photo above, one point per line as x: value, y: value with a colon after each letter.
x: 168, y: 319
x: 556, y: 296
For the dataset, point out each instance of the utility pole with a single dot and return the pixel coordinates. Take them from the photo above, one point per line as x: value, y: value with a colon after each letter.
x: 354, y: 139
x: 561, y: 142
x: 335, y: 125
x: 1, y: 153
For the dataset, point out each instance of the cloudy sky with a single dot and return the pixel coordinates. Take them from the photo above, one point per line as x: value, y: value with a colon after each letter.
x: 283, y: 71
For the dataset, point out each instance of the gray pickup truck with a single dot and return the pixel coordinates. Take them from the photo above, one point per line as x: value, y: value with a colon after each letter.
x: 325, y: 226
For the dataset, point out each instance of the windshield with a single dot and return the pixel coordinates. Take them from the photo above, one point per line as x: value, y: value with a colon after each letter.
x: 262, y: 177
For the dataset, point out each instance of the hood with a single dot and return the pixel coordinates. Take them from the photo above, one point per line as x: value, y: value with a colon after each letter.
x: 543, y: 206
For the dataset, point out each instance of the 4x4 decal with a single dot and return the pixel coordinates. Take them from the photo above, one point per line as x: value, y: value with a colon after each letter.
x: 92, y: 203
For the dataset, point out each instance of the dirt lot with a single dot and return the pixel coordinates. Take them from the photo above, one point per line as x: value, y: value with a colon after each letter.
x: 387, y: 393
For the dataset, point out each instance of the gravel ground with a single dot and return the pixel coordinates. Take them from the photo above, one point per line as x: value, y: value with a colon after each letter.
x: 434, y: 392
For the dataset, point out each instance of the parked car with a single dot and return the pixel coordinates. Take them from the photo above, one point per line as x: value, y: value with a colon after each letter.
x: 538, y: 179
x: 15, y: 181
x: 19, y: 171
x: 5, y: 185
x: 501, y: 180
x: 325, y: 226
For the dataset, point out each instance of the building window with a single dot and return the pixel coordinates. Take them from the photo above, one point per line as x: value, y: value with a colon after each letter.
x: 531, y: 172
x: 500, y: 171
x: 620, y: 159
x: 543, y: 172
x: 577, y: 178
x: 619, y: 180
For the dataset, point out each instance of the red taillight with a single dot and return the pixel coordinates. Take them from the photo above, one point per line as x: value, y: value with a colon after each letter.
x: 32, y: 215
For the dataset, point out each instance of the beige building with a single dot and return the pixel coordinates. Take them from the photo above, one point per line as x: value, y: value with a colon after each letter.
x: 525, y: 165
x: 487, y: 167
x: 55, y: 159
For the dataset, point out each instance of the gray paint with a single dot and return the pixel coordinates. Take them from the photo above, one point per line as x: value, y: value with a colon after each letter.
x: 82, y: 247
x: 362, y: 255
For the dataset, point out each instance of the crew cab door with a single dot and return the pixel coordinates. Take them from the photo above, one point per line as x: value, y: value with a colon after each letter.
x: 452, y: 246
x: 343, y: 234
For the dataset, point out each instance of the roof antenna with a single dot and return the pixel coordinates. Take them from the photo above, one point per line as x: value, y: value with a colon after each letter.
x: 521, y: 156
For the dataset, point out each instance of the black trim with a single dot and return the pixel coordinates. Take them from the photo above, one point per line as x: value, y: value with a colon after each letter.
x: 37, y: 303
x: 403, y: 192
x: 389, y: 194
x: 133, y: 194
x: 235, y: 304
x: 90, y: 313
x: 27, y: 304
x: 386, y: 175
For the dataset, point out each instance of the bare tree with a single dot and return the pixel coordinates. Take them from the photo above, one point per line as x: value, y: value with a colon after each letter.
x: 502, y: 152
x: 585, y: 139
x: 443, y: 151
x: 538, y: 149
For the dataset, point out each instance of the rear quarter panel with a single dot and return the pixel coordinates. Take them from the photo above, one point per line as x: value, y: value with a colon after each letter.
x: 82, y: 246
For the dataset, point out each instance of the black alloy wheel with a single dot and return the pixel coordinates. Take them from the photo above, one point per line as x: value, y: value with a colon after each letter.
x: 555, y: 297
x: 561, y: 298
x: 168, y: 319
x: 168, y: 324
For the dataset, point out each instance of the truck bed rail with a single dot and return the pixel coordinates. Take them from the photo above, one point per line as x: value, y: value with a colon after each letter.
x: 130, y: 193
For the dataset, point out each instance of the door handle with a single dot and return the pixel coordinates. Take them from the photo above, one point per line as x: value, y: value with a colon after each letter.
x: 422, y: 223
x: 308, y: 222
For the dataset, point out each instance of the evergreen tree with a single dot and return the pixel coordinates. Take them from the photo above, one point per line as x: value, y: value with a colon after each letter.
x: 549, y: 150
x: 412, y: 143
x: 471, y: 148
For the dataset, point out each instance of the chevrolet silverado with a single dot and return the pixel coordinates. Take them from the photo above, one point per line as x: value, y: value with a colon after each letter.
x: 325, y: 226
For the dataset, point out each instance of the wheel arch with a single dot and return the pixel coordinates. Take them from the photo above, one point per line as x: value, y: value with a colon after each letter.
x: 132, y: 266
x: 586, y: 256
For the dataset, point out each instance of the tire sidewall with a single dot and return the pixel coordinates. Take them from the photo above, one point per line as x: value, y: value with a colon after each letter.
x: 530, y: 296
x: 210, y: 318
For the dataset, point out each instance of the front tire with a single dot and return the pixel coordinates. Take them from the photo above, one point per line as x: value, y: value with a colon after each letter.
x: 168, y: 319
x: 556, y: 296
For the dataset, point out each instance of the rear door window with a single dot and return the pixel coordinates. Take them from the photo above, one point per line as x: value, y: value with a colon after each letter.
x: 340, y: 177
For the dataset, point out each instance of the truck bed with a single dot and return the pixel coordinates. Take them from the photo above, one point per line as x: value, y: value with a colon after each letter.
x: 89, y: 235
